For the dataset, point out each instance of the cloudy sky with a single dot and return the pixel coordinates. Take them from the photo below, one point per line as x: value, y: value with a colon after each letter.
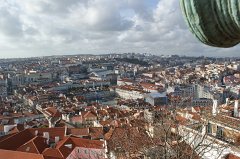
x: 55, y: 27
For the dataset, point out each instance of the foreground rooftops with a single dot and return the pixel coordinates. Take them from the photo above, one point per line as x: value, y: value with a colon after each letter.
x: 45, y: 143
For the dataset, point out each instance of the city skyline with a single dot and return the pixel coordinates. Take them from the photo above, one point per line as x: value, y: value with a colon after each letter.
x: 64, y: 27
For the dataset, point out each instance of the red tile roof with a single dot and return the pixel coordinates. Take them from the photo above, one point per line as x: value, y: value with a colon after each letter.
x: 26, y: 142
x: 53, y: 132
x: 29, y: 147
x: 51, y: 153
x: 181, y: 119
x: 15, y: 141
x: 77, y: 118
x: 95, y: 144
x: 53, y: 112
x: 78, y: 131
x: 36, y: 145
x: 6, y: 154
x: 16, y: 129
x: 231, y: 156
x: 88, y: 114
x: 96, y: 132
x: 6, y: 136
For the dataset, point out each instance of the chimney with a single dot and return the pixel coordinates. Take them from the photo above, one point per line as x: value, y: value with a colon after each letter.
x: 46, y: 135
x: 227, y: 100
x: 88, y: 130
x: 65, y: 131
x: 214, y: 108
x: 236, y: 109
x: 57, y: 139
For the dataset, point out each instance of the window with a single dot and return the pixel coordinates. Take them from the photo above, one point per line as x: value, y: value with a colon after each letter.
x: 232, y: 113
x: 209, y: 128
x: 68, y: 145
x: 57, y: 138
x: 219, y: 133
x: 27, y: 149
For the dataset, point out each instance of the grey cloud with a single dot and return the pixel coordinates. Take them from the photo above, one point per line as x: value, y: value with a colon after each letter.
x: 45, y: 27
x: 141, y: 9
x: 10, y: 25
x: 108, y: 25
x: 52, y: 7
x: 106, y: 17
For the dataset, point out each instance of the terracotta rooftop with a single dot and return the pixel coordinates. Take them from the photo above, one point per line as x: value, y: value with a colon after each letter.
x: 52, y: 111
x: 231, y: 156
x: 181, y: 119
x: 78, y: 131
x: 31, y: 142
x: 15, y: 141
x: 6, y: 154
x: 96, y: 132
x: 6, y: 136
x: 35, y: 145
x: 88, y: 114
x: 53, y: 132
x: 51, y: 153
x: 96, y: 144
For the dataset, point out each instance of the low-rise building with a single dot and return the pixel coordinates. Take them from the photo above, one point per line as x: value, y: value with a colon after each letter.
x: 130, y: 92
x: 156, y: 98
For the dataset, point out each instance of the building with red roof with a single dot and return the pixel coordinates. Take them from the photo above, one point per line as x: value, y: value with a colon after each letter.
x: 50, y: 143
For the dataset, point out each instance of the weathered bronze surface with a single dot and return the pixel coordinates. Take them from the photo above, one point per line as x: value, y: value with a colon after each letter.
x: 213, y: 22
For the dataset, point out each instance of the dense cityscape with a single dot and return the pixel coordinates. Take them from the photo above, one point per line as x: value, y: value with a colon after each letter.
x: 128, y: 79
x: 127, y: 105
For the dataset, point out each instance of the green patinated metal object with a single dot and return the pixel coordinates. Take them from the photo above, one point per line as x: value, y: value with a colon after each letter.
x: 213, y: 22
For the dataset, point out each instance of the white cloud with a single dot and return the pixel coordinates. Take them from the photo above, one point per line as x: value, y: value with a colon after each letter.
x: 46, y: 27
